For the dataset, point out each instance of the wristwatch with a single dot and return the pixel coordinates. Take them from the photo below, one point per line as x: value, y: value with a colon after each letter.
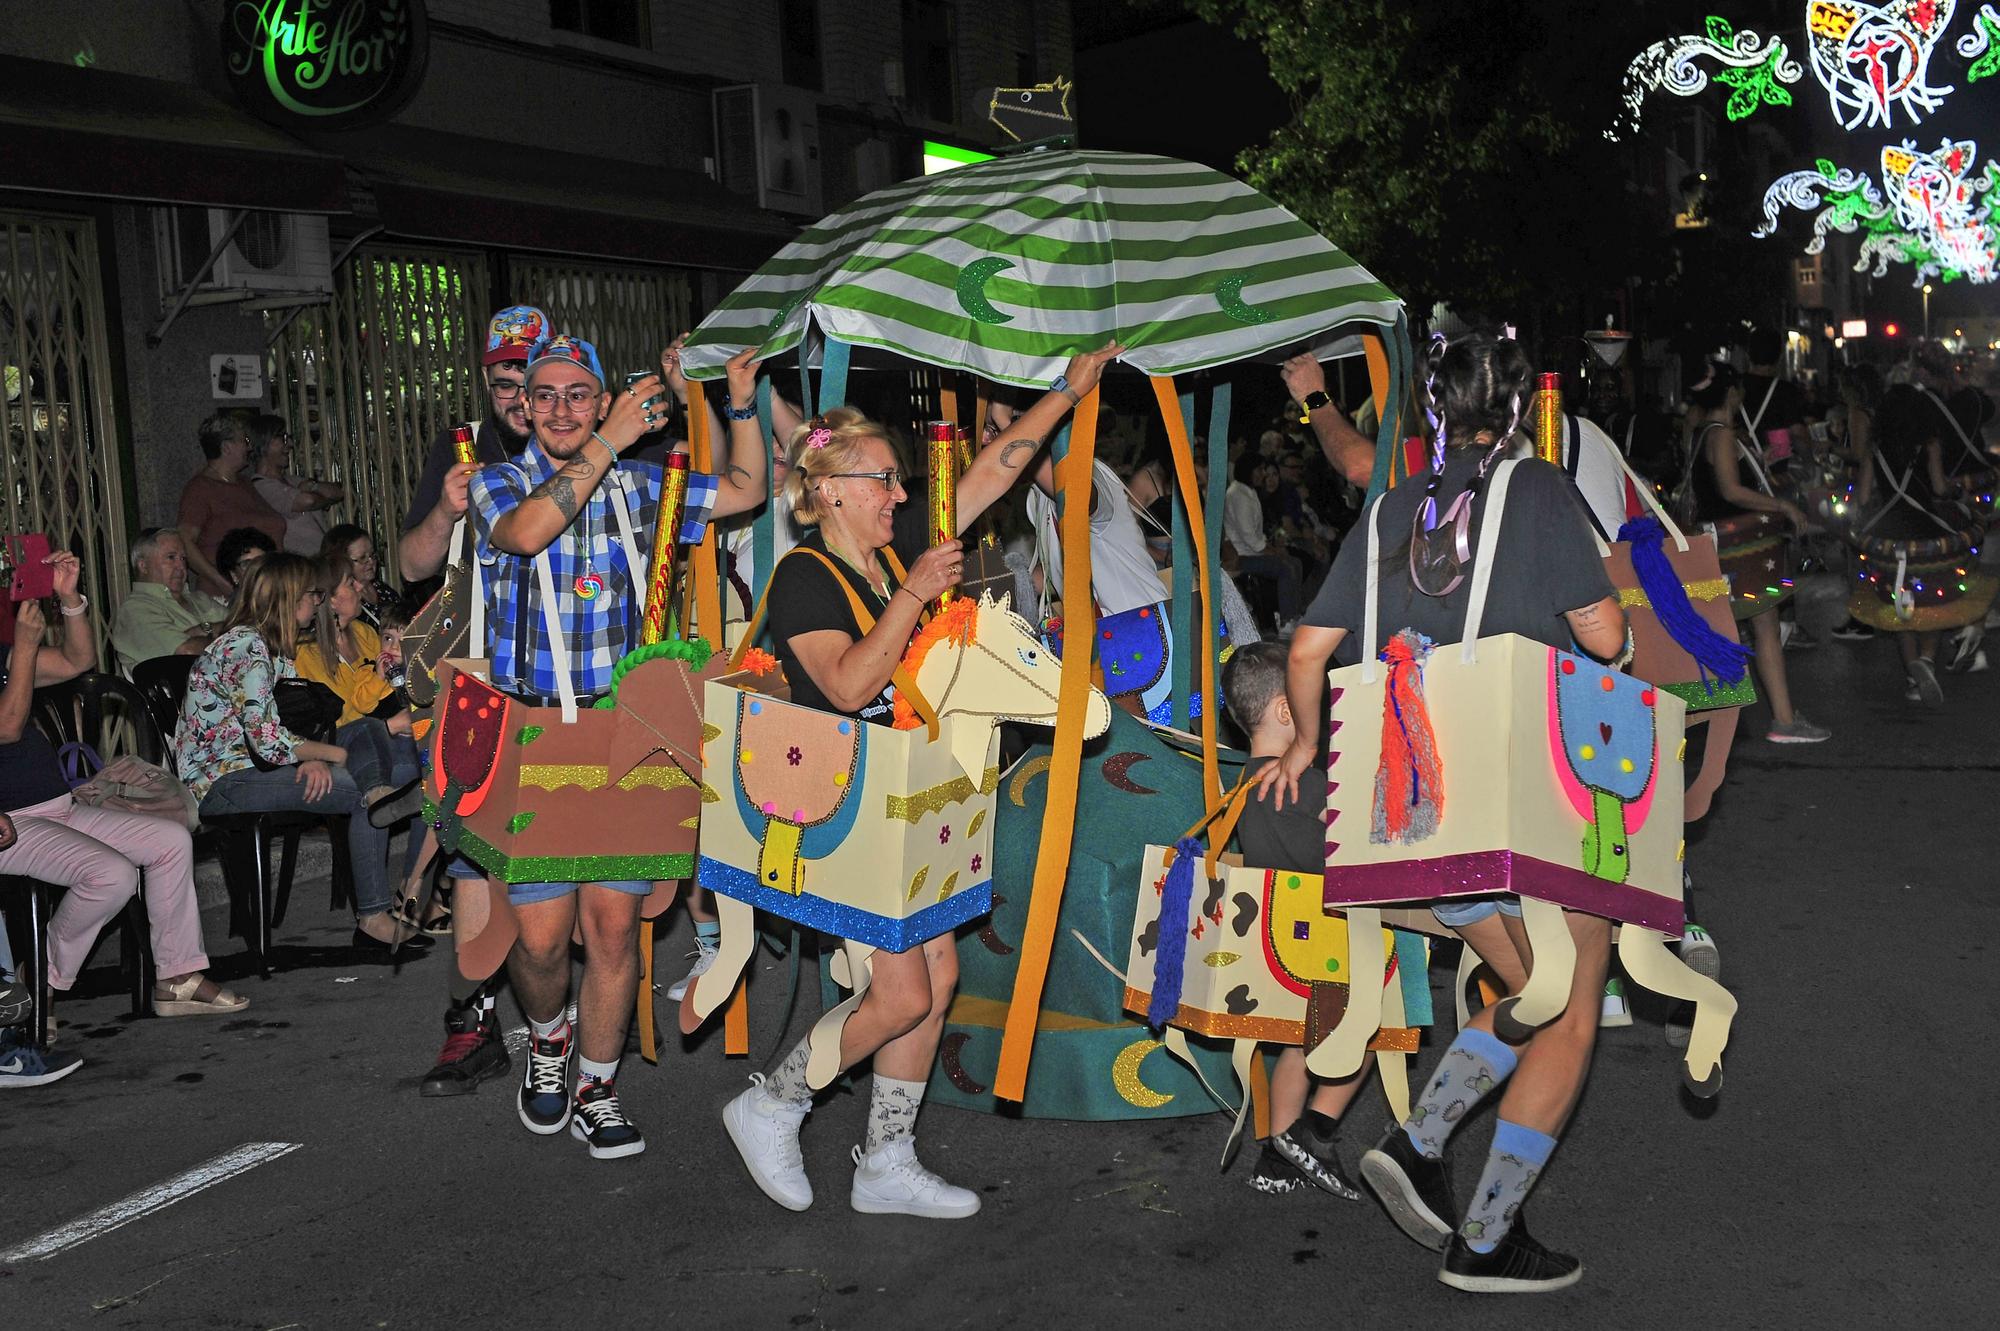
x: 1312, y: 402
x: 736, y: 413
x: 1060, y: 384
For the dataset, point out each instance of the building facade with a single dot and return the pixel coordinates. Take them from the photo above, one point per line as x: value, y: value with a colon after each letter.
x: 310, y: 206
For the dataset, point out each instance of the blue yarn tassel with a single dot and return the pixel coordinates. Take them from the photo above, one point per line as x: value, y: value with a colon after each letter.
x: 1724, y: 658
x: 1176, y: 898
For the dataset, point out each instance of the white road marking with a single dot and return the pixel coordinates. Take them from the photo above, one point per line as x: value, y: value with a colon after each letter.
x: 140, y: 1204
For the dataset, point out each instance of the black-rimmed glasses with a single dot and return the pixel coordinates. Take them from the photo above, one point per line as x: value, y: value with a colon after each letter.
x: 889, y: 479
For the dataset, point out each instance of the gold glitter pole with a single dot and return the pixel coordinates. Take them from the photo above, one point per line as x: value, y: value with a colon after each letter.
x: 660, y: 579
x: 944, y: 491
x: 1549, y: 418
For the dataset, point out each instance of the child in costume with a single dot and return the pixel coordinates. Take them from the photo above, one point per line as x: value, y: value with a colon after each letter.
x: 1548, y: 585
x: 1305, y: 1134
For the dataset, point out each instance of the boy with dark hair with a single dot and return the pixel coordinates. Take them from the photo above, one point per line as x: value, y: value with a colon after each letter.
x: 1304, y: 1138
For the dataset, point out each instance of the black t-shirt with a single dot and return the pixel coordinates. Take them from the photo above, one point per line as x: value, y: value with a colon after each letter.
x: 29, y: 772
x: 1292, y: 838
x: 490, y: 444
x: 1546, y: 564
x: 804, y: 598
x: 1787, y: 408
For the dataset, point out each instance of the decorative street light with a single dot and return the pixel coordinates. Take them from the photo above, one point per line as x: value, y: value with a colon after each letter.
x: 1927, y: 311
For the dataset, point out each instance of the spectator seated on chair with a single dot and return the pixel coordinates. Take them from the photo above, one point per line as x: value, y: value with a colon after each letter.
x: 344, y: 654
x: 239, y: 549
x: 160, y: 616
x: 97, y: 855
x: 236, y: 756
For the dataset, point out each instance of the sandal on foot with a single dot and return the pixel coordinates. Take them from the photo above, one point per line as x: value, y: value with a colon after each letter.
x: 182, y: 999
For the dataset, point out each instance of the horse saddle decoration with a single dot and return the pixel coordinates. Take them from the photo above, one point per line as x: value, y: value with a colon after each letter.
x: 1603, y: 733
x: 796, y: 773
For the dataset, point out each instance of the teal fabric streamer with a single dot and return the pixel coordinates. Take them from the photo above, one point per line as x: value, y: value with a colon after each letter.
x: 805, y: 381
x: 833, y: 362
x: 764, y: 529
x: 1181, y: 610
x: 1398, y: 343
x: 1211, y: 615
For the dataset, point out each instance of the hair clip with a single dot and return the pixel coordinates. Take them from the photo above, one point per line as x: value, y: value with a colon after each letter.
x: 819, y: 437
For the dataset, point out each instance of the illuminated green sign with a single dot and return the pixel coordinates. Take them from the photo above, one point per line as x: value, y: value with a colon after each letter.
x: 332, y: 63
x: 944, y: 156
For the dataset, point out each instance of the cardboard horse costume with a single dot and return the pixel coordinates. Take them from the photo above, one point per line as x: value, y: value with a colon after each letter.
x: 1502, y: 765
x: 881, y: 836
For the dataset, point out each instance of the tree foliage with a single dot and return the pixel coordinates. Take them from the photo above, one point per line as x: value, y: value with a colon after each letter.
x: 1456, y: 150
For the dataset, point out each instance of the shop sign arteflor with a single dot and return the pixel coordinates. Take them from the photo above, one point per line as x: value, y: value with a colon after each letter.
x: 324, y: 63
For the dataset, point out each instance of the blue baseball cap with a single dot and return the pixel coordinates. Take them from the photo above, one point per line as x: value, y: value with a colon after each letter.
x: 574, y: 350
x: 514, y: 333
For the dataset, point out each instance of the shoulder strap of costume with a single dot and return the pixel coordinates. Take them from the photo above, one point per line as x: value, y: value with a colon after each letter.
x: 1484, y: 559
x: 1752, y: 422
x: 862, y: 618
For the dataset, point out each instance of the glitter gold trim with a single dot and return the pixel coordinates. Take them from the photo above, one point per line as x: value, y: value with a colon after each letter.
x: 1710, y: 589
x: 914, y: 808
x: 553, y: 776
x: 950, y: 885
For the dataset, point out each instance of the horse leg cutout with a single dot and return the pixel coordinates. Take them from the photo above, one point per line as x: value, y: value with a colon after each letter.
x: 738, y: 922
x: 649, y: 1045
x: 1714, y: 763
x: 823, y: 1064
x: 1546, y: 994
x: 1468, y: 962
x: 1343, y: 1051
x: 1650, y: 963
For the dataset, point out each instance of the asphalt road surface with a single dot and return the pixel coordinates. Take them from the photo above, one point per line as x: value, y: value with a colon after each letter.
x: 1840, y: 1179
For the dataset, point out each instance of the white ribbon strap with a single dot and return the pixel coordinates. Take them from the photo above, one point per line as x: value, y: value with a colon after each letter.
x: 1483, y: 560
x: 558, y: 649
x: 1371, y: 605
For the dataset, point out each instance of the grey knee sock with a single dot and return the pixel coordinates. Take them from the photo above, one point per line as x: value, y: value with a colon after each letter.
x: 787, y: 1085
x: 892, y: 1112
x: 1475, y: 1064
x: 462, y: 990
x: 1512, y: 1167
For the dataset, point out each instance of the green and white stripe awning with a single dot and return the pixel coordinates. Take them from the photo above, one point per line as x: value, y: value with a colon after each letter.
x: 1007, y: 268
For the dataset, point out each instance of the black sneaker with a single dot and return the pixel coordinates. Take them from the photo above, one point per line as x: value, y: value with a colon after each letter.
x: 544, y: 1098
x: 1275, y: 1174
x: 600, y: 1122
x: 1414, y: 1189
x: 1518, y: 1265
x: 473, y: 1052
x: 1318, y: 1161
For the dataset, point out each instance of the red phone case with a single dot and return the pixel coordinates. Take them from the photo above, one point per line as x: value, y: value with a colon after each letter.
x: 32, y: 578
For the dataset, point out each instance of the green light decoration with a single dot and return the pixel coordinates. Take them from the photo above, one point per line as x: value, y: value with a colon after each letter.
x: 1755, y: 68
x: 1756, y: 86
x: 1932, y: 212
x: 1982, y: 45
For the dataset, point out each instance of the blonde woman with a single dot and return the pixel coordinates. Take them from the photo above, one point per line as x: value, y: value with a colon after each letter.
x: 236, y: 756
x: 845, y: 487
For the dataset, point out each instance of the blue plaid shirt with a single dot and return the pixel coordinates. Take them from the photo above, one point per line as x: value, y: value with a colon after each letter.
x: 598, y: 631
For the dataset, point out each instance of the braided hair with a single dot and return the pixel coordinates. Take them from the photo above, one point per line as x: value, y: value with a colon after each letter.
x: 1475, y: 386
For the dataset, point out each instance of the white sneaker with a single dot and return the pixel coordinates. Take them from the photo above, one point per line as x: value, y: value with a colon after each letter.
x: 704, y: 957
x: 894, y: 1182
x: 766, y: 1132
x: 1923, y: 678
x: 1698, y: 950
x: 1964, y: 646
x: 1617, y: 1012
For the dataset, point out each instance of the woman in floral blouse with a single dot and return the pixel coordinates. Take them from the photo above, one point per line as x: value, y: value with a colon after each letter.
x: 236, y: 756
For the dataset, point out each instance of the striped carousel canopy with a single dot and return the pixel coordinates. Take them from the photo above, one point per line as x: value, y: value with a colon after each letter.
x: 1007, y: 268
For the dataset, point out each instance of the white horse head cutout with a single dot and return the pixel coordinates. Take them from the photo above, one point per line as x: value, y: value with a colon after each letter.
x: 980, y: 659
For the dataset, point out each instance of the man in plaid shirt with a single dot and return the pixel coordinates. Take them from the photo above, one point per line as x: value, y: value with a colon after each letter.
x: 555, y: 502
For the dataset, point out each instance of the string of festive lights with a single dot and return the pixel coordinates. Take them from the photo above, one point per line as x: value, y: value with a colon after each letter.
x: 1754, y: 69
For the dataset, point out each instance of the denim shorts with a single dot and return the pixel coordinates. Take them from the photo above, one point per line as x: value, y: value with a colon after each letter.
x: 464, y: 869
x: 526, y: 894
x: 1461, y: 911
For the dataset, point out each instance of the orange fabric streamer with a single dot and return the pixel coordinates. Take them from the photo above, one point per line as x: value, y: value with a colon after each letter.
x: 1183, y: 453
x: 1038, y: 936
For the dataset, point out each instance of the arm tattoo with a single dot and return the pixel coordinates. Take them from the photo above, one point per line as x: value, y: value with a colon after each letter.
x: 560, y: 489
x: 739, y: 476
x: 1008, y: 451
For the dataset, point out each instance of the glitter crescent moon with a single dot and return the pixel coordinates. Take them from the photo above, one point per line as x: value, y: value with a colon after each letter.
x: 1017, y: 789
x: 972, y: 280
x: 1125, y: 1075
x: 949, y: 1049
x: 1117, y: 770
x: 1229, y: 295
x: 992, y: 941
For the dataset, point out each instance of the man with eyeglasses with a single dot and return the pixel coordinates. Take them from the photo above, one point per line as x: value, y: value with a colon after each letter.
x: 558, y: 533
x: 473, y: 1048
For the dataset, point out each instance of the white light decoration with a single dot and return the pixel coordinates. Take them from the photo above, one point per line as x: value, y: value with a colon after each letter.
x: 1874, y: 58
x: 1934, y: 212
x: 1754, y: 68
x: 1982, y: 45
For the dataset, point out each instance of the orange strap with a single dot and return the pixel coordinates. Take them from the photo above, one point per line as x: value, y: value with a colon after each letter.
x: 736, y: 1018
x: 1223, y: 817
x: 1024, y: 1008
x: 901, y: 678
x: 704, y: 569
x: 1260, y: 1097
x: 1183, y: 452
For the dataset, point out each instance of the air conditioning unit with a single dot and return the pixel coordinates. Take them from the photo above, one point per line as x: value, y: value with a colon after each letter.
x: 270, y: 254
x: 767, y: 142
